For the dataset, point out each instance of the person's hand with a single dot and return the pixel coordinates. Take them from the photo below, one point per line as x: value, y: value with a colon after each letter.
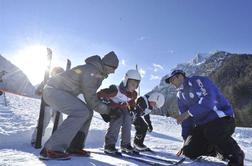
x: 150, y: 128
x: 182, y: 117
x: 115, y: 113
x: 180, y: 152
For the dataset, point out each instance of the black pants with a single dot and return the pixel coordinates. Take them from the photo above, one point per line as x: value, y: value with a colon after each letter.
x: 141, y: 130
x: 216, y: 134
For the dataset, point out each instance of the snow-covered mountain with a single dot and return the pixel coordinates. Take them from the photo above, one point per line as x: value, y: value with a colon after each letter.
x: 18, y: 119
x: 202, y: 64
x: 231, y: 72
x: 15, y: 80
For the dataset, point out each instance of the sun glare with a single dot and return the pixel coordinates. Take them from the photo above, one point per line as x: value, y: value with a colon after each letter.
x: 32, y: 60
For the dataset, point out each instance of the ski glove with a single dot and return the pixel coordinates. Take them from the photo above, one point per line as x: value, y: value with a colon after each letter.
x: 115, y: 113
x: 150, y: 128
x: 105, y: 117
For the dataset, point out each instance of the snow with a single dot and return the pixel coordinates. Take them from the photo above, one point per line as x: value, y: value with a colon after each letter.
x: 18, y: 119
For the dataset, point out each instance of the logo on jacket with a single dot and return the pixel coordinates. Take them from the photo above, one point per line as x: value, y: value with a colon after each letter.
x: 203, y: 90
x: 191, y: 95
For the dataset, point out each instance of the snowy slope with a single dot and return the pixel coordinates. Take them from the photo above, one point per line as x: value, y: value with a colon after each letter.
x: 18, y: 120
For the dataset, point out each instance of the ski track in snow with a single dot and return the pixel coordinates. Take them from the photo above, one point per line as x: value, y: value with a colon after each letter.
x: 18, y: 119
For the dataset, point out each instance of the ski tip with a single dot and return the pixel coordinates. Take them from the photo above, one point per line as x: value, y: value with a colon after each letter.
x: 48, y: 158
x: 180, y: 161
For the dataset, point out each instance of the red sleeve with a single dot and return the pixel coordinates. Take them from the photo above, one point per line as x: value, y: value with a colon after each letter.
x: 133, y: 97
x: 107, y: 93
x: 128, y: 105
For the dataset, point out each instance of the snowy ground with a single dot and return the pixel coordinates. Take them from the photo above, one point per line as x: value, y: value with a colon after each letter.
x: 18, y: 120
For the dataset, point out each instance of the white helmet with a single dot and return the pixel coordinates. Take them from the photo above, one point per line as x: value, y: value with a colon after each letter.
x: 158, y: 98
x: 131, y: 74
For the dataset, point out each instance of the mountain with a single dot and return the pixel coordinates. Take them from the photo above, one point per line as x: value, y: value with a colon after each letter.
x: 15, y: 80
x: 234, y: 78
x: 232, y: 73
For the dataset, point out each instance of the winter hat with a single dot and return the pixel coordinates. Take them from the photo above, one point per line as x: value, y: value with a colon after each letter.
x: 111, y: 60
x: 175, y: 72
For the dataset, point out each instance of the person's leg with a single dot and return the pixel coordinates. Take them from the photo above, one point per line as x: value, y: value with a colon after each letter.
x: 195, y: 145
x: 78, y: 143
x: 126, y: 128
x: 219, y: 133
x: 113, y: 132
x: 141, y: 129
x: 78, y: 114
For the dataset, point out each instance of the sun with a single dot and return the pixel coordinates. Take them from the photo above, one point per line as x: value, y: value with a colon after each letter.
x: 32, y: 60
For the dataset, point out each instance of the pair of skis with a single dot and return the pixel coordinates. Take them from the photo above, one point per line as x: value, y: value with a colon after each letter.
x: 43, y: 104
x: 155, y: 161
x: 143, y: 158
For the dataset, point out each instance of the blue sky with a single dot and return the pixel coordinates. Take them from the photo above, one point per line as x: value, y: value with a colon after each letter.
x: 155, y: 34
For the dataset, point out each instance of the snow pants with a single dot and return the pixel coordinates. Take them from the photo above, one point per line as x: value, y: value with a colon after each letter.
x: 141, y: 130
x: 48, y: 115
x: 71, y: 134
x: 123, y: 123
x: 213, y: 135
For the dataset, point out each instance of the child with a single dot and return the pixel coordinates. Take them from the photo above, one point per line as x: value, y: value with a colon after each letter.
x: 145, y: 104
x: 49, y: 113
x: 122, y: 100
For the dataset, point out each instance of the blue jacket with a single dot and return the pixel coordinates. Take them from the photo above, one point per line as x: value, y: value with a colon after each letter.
x: 203, y: 100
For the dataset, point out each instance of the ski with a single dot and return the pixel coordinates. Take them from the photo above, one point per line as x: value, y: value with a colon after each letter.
x: 154, y: 155
x: 142, y: 160
x: 148, y: 150
x: 148, y: 162
x: 161, y: 159
x: 43, y: 104
x: 56, y: 120
x: 47, y: 158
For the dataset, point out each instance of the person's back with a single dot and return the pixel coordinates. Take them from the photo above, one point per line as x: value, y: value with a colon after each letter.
x: 71, y: 81
x: 144, y: 106
x: 204, y: 99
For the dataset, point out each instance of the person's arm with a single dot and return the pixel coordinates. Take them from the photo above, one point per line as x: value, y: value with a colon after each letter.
x: 90, y: 82
x: 148, y: 121
x: 106, y: 94
x: 187, y: 123
x: 184, y: 119
x: 140, y: 106
x: 39, y: 89
x: 132, y: 102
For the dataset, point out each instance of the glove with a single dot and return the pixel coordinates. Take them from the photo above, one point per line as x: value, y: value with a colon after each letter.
x: 105, y: 117
x: 115, y: 113
x: 150, y: 128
